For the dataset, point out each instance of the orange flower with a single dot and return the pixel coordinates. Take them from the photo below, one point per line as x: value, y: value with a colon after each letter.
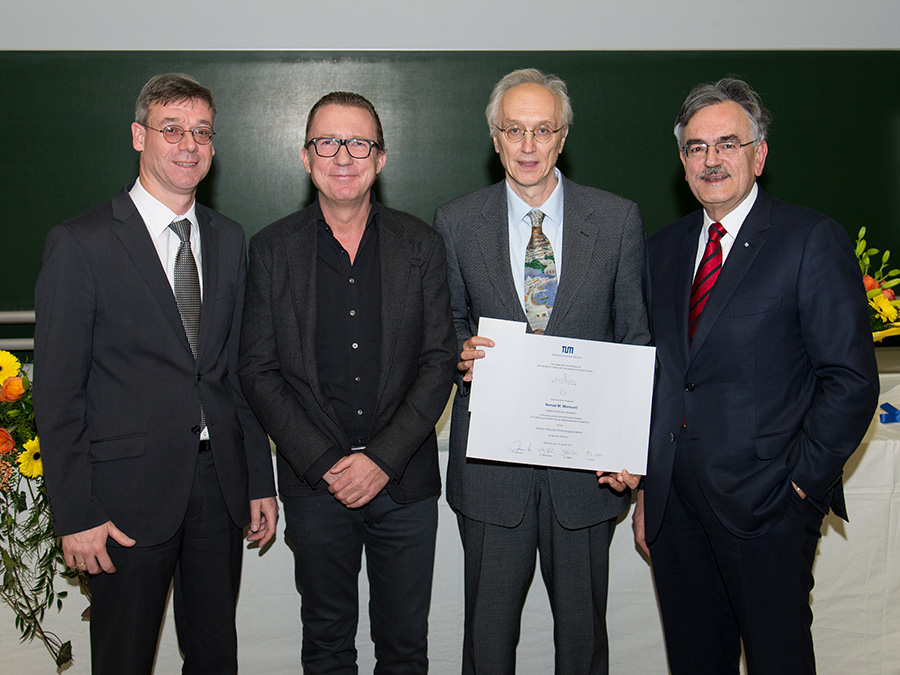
x: 6, y: 442
x: 12, y: 389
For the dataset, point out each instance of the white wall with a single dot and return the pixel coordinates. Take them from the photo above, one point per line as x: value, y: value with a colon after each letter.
x: 451, y: 24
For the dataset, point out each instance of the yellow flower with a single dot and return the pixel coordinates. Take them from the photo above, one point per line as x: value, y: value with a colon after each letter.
x: 30, y: 463
x: 9, y: 365
x: 884, y: 308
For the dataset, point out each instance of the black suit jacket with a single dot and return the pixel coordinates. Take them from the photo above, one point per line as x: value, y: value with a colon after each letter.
x: 117, y: 391
x: 780, y: 382
x: 600, y: 297
x: 279, y: 370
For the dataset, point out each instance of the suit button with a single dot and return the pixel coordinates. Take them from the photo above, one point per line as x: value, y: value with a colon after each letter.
x: 690, y: 386
x: 671, y: 437
x: 198, y: 377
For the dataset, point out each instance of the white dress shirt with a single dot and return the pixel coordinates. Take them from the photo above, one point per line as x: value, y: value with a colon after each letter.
x: 732, y: 224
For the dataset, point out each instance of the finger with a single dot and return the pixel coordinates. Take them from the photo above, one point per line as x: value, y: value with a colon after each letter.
x: 101, y: 562
x: 121, y: 538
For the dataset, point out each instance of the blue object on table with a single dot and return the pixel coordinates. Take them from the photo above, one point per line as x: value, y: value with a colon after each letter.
x: 892, y: 414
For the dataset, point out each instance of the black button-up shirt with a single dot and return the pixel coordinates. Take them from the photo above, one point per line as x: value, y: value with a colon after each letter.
x: 348, y: 333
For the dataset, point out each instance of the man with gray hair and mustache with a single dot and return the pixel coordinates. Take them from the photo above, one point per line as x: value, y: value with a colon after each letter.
x: 587, y: 246
x: 766, y: 383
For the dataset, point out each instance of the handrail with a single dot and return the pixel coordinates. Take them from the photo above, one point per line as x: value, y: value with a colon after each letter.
x: 17, y: 317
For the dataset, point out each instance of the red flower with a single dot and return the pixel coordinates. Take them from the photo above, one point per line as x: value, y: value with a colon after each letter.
x: 6, y: 442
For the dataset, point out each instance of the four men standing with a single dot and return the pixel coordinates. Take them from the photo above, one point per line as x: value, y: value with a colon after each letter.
x: 766, y: 383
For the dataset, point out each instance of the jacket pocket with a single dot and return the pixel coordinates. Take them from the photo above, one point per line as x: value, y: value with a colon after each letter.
x: 754, y: 306
x: 118, y: 447
x: 773, y: 445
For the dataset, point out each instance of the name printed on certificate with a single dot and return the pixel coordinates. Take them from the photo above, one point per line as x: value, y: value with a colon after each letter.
x: 560, y: 402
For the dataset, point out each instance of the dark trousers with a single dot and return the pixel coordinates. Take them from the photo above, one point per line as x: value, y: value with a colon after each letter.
x: 499, y: 567
x: 328, y: 540
x: 204, y: 557
x: 716, y: 589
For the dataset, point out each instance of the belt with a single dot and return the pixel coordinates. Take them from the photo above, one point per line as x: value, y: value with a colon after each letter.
x: 204, y: 446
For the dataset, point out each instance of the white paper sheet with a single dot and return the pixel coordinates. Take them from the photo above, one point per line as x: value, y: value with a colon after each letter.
x: 561, y: 402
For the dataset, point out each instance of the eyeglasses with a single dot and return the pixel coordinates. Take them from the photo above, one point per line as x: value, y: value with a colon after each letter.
x: 359, y: 148
x: 730, y: 148
x: 516, y: 133
x: 174, y: 133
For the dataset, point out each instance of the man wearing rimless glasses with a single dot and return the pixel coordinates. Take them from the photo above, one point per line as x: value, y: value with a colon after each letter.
x: 153, y: 460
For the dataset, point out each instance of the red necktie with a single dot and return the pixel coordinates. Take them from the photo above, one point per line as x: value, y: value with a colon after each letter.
x: 707, y: 273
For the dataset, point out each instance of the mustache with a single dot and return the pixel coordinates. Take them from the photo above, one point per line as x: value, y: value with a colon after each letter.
x: 714, y: 171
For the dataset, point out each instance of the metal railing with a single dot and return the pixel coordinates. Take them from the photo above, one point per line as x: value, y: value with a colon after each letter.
x: 17, y: 317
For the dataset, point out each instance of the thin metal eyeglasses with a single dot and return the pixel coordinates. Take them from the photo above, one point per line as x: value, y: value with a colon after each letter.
x: 174, y: 133
x: 729, y: 148
x: 517, y: 133
x: 359, y: 148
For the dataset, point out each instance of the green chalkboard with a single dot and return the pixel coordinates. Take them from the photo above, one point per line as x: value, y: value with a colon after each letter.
x: 65, y: 124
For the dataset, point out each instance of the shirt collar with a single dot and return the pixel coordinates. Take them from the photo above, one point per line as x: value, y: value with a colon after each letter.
x: 156, y: 215
x: 733, y: 221
x: 552, y: 208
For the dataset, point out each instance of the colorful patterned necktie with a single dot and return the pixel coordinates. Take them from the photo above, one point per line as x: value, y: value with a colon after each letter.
x: 187, y: 289
x: 540, y: 275
x: 707, y: 273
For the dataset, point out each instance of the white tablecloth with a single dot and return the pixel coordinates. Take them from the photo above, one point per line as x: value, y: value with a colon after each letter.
x: 856, y: 601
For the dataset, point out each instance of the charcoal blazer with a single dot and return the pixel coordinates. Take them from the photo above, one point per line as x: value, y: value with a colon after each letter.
x: 600, y: 297
x: 279, y: 369
x: 117, y: 390
x: 780, y: 382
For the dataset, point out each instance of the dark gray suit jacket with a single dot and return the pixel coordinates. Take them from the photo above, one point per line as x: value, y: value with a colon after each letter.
x: 600, y: 297
x: 279, y: 370
x: 117, y: 391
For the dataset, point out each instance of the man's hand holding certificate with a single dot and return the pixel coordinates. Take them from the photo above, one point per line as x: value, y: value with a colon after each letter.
x: 561, y: 402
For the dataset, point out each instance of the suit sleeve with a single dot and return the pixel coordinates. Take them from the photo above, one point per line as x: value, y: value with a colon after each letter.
x: 629, y: 306
x: 837, y: 336
x: 459, y: 301
x: 261, y: 481
x: 65, y: 309
x: 424, y: 401
x: 275, y: 402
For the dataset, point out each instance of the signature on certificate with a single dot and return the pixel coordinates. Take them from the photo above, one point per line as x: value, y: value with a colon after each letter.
x: 517, y: 449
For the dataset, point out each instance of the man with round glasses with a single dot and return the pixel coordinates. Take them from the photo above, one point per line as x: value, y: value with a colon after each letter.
x: 568, y: 260
x: 347, y: 358
x: 766, y: 383
x: 153, y: 460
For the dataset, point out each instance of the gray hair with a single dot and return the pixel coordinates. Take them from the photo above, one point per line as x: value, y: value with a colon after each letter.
x: 726, y: 89
x: 527, y: 76
x: 171, y: 88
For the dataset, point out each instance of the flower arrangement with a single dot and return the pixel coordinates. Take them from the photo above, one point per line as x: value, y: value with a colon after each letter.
x: 31, y: 555
x: 883, y: 312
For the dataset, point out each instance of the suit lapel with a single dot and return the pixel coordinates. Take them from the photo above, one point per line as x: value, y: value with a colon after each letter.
x: 492, y: 239
x: 579, y: 233
x: 750, y: 240
x: 301, y: 262
x: 396, y: 266
x: 132, y: 233
x: 209, y: 249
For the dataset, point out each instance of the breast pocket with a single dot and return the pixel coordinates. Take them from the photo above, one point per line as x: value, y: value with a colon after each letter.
x: 755, y: 306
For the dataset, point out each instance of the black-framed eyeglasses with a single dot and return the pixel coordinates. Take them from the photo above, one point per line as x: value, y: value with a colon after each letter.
x: 174, y: 133
x: 359, y: 148
x: 729, y: 148
x: 516, y: 133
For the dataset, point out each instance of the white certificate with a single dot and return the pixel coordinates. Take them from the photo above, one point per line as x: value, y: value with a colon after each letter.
x: 561, y: 402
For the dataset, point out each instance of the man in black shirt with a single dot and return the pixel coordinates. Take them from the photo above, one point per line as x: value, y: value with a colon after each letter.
x: 347, y: 358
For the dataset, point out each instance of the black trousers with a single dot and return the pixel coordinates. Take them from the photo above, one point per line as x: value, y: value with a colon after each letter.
x: 204, y: 558
x: 717, y: 590
x: 328, y: 540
